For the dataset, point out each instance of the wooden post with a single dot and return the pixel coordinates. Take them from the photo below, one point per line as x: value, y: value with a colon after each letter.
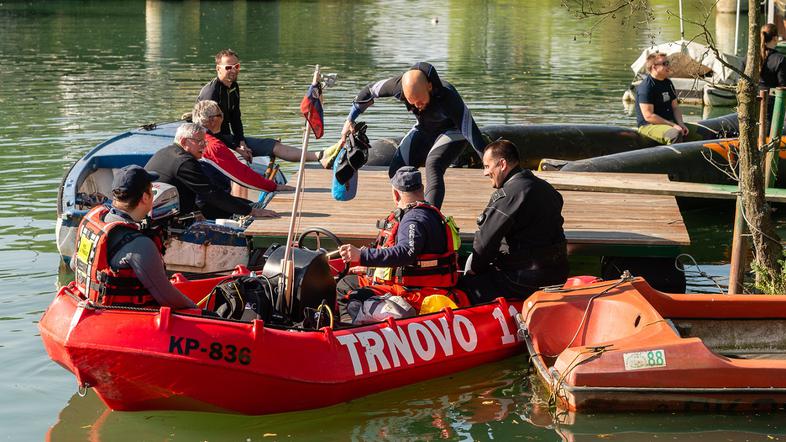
x: 776, y: 128
x: 739, y: 246
x: 763, y: 123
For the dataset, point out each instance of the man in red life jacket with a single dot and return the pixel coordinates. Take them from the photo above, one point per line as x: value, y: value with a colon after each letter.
x: 414, y: 255
x: 114, y: 262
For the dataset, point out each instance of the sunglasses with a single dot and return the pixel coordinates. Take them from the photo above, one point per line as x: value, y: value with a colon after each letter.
x: 229, y: 67
x: 665, y: 63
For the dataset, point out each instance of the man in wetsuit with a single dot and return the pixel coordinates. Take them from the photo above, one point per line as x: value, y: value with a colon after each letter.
x: 443, y: 123
x: 658, y: 112
x: 526, y: 213
x: 225, y: 91
x: 133, y: 268
x: 177, y: 165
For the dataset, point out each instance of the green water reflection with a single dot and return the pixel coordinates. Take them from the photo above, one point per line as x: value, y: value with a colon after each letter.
x: 74, y: 73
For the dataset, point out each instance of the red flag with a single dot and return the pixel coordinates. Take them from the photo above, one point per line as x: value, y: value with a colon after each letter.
x: 311, y: 108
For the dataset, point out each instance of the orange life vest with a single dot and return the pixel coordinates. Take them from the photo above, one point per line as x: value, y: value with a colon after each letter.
x: 94, y: 277
x: 430, y: 269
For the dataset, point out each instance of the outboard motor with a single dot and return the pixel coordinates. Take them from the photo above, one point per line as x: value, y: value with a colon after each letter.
x: 166, y: 201
x: 166, y: 205
x: 313, y: 284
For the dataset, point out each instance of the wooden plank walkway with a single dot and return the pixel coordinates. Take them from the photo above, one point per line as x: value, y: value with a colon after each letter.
x: 591, y: 218
x: 646, y: 184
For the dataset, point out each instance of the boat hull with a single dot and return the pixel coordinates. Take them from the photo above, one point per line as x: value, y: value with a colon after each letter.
x: 142, y: 360
x: 632, y: 348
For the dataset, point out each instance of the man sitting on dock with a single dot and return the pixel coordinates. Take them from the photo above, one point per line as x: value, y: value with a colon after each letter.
x: 658, y: 112
x: 414, y: 249
x: 177, y: 165
x: 115, y: 263
x: 443, y: 123
x: 526, y: 212
x: 225, y: 91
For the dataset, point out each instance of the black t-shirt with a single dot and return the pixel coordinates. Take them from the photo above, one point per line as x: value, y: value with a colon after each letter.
x: 228, y: 99
x: 659, y: 93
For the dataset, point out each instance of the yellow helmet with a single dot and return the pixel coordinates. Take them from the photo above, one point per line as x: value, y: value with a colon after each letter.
x: 435, y: 303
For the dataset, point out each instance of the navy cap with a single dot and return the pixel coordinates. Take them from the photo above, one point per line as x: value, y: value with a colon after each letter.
x: 407, y: 179
x: 133, y: 180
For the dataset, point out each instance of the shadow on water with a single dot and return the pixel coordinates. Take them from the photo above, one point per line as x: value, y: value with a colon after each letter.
x: 475, y: 404
x: 491, y: 402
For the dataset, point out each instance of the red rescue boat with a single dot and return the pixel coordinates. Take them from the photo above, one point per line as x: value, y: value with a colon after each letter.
x: 622, y: 345
x: 141, y: 359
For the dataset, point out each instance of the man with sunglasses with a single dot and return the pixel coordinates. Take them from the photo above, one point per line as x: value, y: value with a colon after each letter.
x: 225, y: 91
x: 658, y: 111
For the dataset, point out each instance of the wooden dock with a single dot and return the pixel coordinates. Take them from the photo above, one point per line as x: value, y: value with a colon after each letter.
x: 621, y: 224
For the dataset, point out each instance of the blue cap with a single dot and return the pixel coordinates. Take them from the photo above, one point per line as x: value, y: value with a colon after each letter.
x: 133, y: 180
x: 406, y: 179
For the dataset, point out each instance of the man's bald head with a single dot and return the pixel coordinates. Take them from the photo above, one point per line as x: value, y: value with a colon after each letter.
x: 416, y: 88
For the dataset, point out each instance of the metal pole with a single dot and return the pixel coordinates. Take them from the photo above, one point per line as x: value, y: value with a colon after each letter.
x: 737, y: 28
x: 776, y: 129
x: 288, y: 265
x: 682, y: 28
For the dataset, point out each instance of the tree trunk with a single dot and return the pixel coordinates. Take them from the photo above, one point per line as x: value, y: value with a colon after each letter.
x: 765, y: 240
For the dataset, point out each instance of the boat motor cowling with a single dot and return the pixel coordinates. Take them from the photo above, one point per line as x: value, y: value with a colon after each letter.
x: 166, y: 202
x: 313, y: 283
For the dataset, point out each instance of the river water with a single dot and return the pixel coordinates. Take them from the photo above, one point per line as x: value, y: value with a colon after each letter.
x: 74, y: 73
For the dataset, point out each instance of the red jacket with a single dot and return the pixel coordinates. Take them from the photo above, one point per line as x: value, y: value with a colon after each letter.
x: 218, y: 155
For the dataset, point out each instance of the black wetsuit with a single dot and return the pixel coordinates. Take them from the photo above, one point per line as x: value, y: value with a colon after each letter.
x: 228, y: 99
x: 437, y: 138
x: 520, y: 244
x: 180, y: 169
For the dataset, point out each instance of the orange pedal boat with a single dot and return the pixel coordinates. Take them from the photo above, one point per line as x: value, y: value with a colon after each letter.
x: 622, y: 345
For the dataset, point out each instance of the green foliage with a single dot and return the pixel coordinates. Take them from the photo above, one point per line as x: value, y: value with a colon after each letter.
x: 767, y: 282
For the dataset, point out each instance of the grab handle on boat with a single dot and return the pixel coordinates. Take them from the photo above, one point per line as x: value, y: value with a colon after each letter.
x: 81, y: 389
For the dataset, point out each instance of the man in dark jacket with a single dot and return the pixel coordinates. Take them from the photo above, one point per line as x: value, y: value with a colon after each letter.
x: 526, y: 213
x: 177, y: 165
x: 225, y: 91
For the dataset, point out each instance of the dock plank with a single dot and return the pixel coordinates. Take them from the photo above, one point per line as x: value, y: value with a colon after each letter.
x: 646, y: 184
x: 621, y: 219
